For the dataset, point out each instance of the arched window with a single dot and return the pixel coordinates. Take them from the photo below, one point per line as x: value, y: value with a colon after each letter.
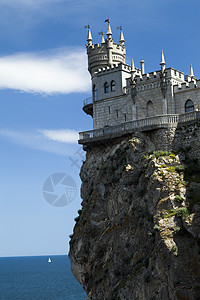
x: 94, y: 92
x: 150, y: 109
x: 106, y: 87
x: 189, y: 106
x: 112, y: 86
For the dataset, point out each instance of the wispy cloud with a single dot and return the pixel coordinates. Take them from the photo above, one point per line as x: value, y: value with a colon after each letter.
x: 61, y: 142
x: 29, y: 3
x: 62, y: 135
x: 59, y: 71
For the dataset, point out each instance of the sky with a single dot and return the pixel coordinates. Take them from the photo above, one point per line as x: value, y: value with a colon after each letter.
x: 43, y: 82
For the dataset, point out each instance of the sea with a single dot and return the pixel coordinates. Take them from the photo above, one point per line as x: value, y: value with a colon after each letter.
x: 33, y: 278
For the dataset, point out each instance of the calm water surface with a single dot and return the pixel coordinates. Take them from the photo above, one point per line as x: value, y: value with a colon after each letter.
x: 33, y: 278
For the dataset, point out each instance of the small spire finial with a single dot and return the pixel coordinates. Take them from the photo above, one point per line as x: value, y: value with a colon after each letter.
x: 133, y: 71
x: 162, y: 63
x: 191, y: 71
x: 162, y: 59
x: 132, y: 66
x: 121, y: 39
x: 102, y: 39
x: 109, y: 32
x: 89, y: 37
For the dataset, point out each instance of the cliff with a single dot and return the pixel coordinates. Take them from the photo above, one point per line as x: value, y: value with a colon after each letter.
x: 138, y: 233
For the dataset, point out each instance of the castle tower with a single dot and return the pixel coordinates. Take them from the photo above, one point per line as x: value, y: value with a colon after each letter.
x: 108, y: 54
x: 106, y: 64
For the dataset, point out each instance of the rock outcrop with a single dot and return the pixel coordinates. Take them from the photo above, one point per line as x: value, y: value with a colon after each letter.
x: 138, y: 233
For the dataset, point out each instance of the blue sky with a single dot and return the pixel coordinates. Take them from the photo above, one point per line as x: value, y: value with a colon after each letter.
x: 43, y: 82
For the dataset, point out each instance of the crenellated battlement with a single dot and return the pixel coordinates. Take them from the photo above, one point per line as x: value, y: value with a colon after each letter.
x: 171, y: 72
x: 95, y: 48
x: 187, y: 86
x: 114, y: 68
x: 156, y: 75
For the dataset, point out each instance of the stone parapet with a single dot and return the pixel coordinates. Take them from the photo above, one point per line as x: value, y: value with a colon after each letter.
x: 147, y: 124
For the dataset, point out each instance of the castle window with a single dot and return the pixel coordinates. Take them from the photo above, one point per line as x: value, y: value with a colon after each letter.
x: 94, y: 93
x: 150, y: 109
x: 124, y: 117
x: 117, y: 113
x: 112, y: 86
x: 106, y: 87
x: 109, y: 110
x: 189, y: 106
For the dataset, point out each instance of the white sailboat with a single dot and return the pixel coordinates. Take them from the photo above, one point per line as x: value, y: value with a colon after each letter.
x: 49, y: 260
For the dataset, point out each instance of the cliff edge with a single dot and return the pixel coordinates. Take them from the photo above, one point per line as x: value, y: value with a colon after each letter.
x: 138, y: 233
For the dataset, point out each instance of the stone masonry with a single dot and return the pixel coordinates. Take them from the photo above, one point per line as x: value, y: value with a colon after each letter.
x: 123, y: 93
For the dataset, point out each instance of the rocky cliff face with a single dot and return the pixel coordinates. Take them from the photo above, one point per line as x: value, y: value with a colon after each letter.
x: 138, y: 233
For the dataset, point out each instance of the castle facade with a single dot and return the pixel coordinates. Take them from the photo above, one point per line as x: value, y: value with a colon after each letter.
x: 125, y: 98
x: 122, y: 93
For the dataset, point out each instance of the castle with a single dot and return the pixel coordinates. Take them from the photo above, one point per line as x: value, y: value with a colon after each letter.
x: 125, y: 97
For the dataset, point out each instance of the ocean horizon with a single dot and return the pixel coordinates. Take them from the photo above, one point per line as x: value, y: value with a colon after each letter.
x: 34, y: 278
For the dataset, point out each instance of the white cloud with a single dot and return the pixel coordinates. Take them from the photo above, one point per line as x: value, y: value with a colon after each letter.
x: 59, y: 71
x: 61, y: 142
x: 62, y: 135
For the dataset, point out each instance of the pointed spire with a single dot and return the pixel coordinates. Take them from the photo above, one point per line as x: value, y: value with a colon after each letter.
x: 132, y: 66
x: 133, y: 71
x: 109, y: 32
x: 191, y: 71
x: 162, y: 63
x: 102, y: 39
x: 121, y: 39
x: 162, y: 59
x: 89, y: 37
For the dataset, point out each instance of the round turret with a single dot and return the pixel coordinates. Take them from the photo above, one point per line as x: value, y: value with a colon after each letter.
x: 108, y: 54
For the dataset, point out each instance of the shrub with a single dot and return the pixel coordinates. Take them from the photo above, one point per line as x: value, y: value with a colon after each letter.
x: 177, y: 229
x: 180, y: 168
x: 178, y: 198
x: 171, y: 169
x: 172, y: 212
x: 183, y: 213
x: 157, y: 227
x: 159, y: 153
x: 174, y: 248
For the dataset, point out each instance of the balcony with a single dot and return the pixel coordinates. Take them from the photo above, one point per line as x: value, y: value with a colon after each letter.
x: 88, y: 106
x: 146, y: 124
